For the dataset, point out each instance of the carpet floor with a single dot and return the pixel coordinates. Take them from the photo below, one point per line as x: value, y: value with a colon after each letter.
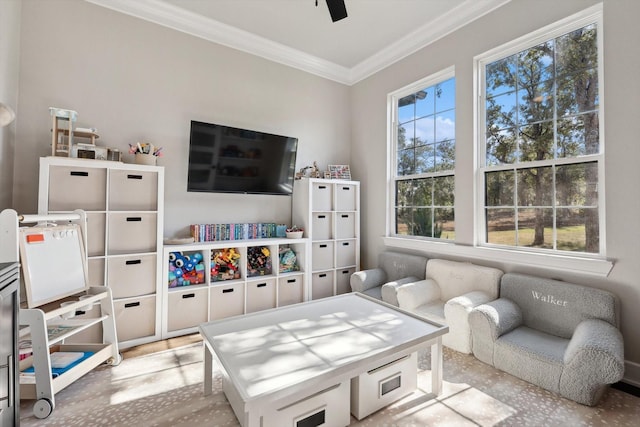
x: 160, y: 384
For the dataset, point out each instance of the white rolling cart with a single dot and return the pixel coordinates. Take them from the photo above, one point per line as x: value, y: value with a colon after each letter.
x: 54, y: 266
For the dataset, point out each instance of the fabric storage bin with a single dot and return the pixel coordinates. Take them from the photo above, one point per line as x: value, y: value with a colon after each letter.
x: 96, y: 223
x: 377, y: 388
x: 321, y: 255
x: 96, y: 271
x: 321, y: 225
x: 72, y: 187
x: 261, y: 295
x: 345, y: 197
x: 135, y: 317
x: 226, y: 300
x: 345, y: 225
x: 343, y: 277
x: 328, y: 407
x: 132, y: 232
x: 322, y: 197
x: 186, y: 308
x: 290, y: 290
x: 322, y: 284
x: 131, y: 276
x: 345, y: 253
x: 133, y: 190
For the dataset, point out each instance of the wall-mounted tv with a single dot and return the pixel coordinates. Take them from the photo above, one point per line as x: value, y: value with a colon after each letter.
x: 224, y: 159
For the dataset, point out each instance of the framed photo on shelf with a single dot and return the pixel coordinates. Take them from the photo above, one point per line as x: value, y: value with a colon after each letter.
x: 340, y: 172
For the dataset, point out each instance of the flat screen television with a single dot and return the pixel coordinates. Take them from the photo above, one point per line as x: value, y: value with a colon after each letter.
x: 224, y: 159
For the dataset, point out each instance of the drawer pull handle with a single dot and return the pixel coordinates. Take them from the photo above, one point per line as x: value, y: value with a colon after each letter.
x: 134, y: 219
x: 226, y: 291
x: 322, y: 187
x: 345, y: 216
x: 345, y: 243
x: 291, y: 281
x: 345, y: 272
x: 185, y: 296
x: 322, y: 216
x: 323, y: 246
x: 346, y: 188
x: 261, y: 285
x: 322, y: 275
x: 132, y: 304
x: 78, y: 173
x: 134, y: 176
x: 80, y: 312
x: 133, y: 261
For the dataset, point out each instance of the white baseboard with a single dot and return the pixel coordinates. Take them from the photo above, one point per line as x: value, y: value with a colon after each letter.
x: 631, y: 373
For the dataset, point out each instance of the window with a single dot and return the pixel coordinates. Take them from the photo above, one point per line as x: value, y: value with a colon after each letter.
x: 423, y: 158
x: 541, y: 148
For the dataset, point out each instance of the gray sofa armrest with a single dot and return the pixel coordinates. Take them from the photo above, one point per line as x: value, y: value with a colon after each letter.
x: 488, y: 322
x: 413, y: 295
x: 594, y: 358
x: 366, y: 279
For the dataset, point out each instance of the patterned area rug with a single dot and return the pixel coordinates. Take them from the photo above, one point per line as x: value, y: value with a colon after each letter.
x: 165, y: 389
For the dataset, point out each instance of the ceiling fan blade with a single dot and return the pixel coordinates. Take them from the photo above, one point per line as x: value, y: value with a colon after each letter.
x: 337, y: 9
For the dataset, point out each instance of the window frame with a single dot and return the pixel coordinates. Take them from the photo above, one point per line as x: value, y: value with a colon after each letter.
x: 392, y: 151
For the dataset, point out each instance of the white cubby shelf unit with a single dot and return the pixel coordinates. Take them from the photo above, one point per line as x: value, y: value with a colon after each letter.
x: 216, y: 295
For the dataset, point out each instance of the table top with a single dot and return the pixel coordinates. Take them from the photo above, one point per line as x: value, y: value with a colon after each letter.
x: 271, y: 350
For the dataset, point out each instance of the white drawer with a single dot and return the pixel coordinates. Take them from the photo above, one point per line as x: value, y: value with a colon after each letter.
x: 321, y: 225
x: 73, y: 187
x: 226, y: 300
x: 343, y: 280
x: 345, y: 225
x: 322, y: 284
x: 261, y: 295
x: 290, y: 290
x: 96, y: 223
x: 377, y: 388
x: 322, y: 197
x: 133, y: 190
x: 345, y: 197
x: 321, y: 255
x: 328, y: 407
x: 96, y: 271
x: 132, y: 232
x: 135, y: 317
x: 345, y: 253
x: 132, y: 276
x: 187, y: 308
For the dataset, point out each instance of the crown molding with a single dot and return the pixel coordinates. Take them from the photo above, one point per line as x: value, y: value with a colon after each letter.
x: 159, y: 12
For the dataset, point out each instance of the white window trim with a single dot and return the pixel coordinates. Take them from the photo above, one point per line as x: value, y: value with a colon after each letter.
x: 392, y: 133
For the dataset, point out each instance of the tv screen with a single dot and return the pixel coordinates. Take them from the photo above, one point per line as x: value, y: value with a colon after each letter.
x: 232, y: 160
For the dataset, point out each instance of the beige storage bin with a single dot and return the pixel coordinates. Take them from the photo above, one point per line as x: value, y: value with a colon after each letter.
x: 322, y: 284
x: 133, y: 190
x: 321, y: 255
x: 345, y: 197
x: 187, y: 308
x: 328, y: 407
x: 345, y: 225
x: 131, y: 232
x: 72, y: 187
x: 321, y: 225
x: 322, y: 197
x: 345, y: 253
x: 290, y: 290
x: 343, y: 280
x: 96, y: 271
x: 226, y: 300
x: 377, y: 388
x: 92, y: 334
x: 261, y: 294
x: 135, y: 317
x: 131, y: 276
x: 96, y: 223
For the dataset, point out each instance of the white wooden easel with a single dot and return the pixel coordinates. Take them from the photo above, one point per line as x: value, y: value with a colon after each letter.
x: 37, y: 323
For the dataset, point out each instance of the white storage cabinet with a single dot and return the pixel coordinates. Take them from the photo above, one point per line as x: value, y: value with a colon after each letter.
x: 329, y: 212
x: 124, y: 205
x: 212, y: 298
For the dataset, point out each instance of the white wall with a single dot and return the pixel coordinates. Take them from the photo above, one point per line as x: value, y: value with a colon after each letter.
x: 517, y: 18
x: 135, y: 80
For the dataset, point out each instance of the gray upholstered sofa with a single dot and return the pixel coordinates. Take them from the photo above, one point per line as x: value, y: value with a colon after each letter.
x: 394, y: 269
x: 448, y: 294
x: 560, y: 336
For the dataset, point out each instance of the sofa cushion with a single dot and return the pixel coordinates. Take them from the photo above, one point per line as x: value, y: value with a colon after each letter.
x: 433, y: 311
x: 458, y: 278
x: 557, y: 307
x: 399, y: 265
x: 390, y: 289
x: 374, y: 292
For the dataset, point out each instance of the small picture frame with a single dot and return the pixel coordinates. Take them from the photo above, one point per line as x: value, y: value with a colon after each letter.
x: 327, y: 175
x: 340, y: 172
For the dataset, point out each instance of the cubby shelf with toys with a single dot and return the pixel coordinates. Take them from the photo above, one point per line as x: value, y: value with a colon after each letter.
x: 205, y: 281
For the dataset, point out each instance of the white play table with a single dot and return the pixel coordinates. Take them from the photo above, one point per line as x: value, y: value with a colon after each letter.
x: 273, y: 358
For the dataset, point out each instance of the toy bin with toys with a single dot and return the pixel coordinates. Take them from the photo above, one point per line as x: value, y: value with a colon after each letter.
x: 186, y: 269
x: 225, y: 264
x: 258, y: 261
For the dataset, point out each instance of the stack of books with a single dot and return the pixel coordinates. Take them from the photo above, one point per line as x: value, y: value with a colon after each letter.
x: 244, y: 231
